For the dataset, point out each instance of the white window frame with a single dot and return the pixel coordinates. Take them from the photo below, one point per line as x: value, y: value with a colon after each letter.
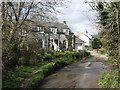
x: 54, y: 30
x: 40, y: 29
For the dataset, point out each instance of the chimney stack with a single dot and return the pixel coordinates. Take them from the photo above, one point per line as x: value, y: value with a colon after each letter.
x: 64, y: 22
x: 86, y: 31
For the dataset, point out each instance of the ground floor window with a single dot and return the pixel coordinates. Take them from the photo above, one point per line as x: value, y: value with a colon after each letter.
x: 64, y: 44
x: 56, y: 41
x: 40, y: 43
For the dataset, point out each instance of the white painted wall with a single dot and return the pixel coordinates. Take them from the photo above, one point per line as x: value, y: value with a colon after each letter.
x: 56, y: 48
x: 85, y: 39
x: 78, y: 46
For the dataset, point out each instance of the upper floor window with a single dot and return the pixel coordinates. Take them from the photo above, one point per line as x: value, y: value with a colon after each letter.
x: 66, y: 31
x: 23, y: 32
x: 40, y: 29
x: 51, y: 29
x: 54, y: 30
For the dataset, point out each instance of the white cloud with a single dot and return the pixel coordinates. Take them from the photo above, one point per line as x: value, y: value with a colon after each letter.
x: 79, y: 16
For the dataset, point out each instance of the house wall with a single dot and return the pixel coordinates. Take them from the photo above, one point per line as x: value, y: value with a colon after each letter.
x: 78, y: 46
x: 85, y: 39
x: 48, y: 40
x: 56, y: 48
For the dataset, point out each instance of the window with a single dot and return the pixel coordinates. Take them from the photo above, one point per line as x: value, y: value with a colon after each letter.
x: 64, y: 44
x: 56, y: 41
x: 80, y: 44
x: 54, y: 30
x: 40, y: 43
x: 23, y: 32
x: 40, y: 29
x: 51, y: 29
x: 66, y: 31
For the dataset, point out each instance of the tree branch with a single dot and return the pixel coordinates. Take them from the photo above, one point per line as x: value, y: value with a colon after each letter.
x: 11, y: 5
x: 20, y: 7
x: 26, y: 15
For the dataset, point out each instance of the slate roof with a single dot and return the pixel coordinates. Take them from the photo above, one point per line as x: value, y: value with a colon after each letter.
x: 77, y: 40
x: 52, y: 25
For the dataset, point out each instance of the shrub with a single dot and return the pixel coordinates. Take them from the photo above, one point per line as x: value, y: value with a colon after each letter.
x: 89, y: 47
x: 13, y: 54
x: 33, y: 59
x: 47, y: 57
x: 26, y: 54
x: 21, y: 61
x: 96, y: 44
x: 42, y: 51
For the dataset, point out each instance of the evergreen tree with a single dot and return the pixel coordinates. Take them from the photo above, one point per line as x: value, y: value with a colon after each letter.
x: 96, y: 44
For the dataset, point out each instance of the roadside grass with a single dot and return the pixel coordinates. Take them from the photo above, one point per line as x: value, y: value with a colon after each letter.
x: 13, y: 77
x: 88, y: 57
x: 112, y: 61
x: 39, y: 75
x: 102, y: 52
x: 110, y: 79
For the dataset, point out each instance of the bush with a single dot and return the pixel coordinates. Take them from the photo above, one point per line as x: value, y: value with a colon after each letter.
x: 13, y: 54
x: 42, y: 51
x: 47, y: 57
x: 33, y: 59
x: 21, y: 61
x: 96, y: 44
x: 89, y: 47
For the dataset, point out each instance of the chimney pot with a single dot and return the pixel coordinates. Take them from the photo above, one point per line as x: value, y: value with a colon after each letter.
x: 64, y: 22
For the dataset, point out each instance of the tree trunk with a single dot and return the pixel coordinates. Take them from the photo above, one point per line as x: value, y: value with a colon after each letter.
x: 119, y: 44
x: 119, y: 31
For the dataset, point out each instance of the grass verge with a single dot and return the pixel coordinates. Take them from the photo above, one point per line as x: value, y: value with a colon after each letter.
x: 110, y: 79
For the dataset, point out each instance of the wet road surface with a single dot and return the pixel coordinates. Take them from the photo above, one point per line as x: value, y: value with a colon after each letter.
x: 82, y: 74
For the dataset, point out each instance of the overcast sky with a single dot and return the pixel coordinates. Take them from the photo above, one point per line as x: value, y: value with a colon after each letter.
x: 79, y: 16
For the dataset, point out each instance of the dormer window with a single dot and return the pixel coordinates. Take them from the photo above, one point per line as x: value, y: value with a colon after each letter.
x: 40, y: 29
x: 54, y: 30
x: 23, y: 32
x: 66, y: 31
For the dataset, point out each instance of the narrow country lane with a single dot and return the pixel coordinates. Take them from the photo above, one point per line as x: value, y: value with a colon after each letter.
x: 82, y: 74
